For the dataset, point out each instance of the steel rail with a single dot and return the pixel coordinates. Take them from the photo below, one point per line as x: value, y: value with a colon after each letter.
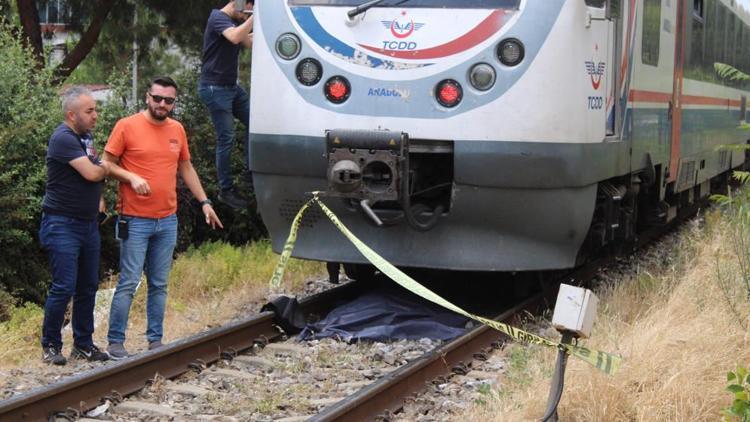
x: 391, y: 391
x: 85, y: 391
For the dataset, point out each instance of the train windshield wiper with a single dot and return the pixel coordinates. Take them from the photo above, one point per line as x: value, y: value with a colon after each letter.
x: 362, y: 8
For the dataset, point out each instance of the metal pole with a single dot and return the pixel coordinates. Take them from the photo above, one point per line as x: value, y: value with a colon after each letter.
x: 134, y: 94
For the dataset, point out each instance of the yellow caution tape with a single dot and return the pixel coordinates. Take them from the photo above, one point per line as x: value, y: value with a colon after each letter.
x: 605, y: 362
x: 278, y: 272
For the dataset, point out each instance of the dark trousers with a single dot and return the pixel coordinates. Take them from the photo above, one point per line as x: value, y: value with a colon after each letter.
x: 73, y: 246
x: 225, y: 103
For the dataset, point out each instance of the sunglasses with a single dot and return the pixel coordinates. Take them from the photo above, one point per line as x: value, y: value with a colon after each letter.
x: 158, y: 98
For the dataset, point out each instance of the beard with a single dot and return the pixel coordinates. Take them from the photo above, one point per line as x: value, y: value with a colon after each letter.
x: 158, y: 112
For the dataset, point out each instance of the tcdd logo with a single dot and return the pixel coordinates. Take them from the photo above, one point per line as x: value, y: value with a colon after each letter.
x: 595, y: 71
x: 402, y: 26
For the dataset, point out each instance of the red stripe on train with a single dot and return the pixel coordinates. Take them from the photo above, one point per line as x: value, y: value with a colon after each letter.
x: 638, y: 96
x: 478, y: 34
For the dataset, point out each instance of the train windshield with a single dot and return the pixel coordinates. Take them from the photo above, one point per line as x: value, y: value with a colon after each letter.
x: 458, y: 4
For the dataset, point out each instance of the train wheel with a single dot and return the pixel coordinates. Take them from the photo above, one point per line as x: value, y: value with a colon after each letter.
x: 360, y: 272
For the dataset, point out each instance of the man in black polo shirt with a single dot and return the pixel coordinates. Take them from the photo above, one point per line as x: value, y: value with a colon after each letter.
x: 69, y: 230
x: 227, y: 31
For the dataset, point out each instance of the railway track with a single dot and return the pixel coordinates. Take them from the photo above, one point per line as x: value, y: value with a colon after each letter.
x: 78, y: 394
x: 384, y: 397
x: 224, y: 350
x: 374, y: 396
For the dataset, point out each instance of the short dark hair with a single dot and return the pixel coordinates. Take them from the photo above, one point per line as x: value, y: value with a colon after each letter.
x: 164, y: 81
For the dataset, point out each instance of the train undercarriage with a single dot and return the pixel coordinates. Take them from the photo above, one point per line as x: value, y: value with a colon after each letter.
x: 390, y: 181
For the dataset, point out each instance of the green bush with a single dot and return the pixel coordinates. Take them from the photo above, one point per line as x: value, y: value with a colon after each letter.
x: 739, y: 385
x: 29, y: 112
x: 240, y: 226
x: 735, y: 285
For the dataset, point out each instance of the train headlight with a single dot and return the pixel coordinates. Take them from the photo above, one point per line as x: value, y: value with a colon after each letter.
x: 309, y: 71
x: 510, y: 52
x: 337, y: 89
x: 288, y: 46
x: 482, y: 76
x: 449, y: 93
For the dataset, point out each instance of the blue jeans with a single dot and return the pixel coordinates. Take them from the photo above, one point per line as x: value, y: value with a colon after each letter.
x: 148, y: 249
x: 225, y: 102
x: 73, y: 246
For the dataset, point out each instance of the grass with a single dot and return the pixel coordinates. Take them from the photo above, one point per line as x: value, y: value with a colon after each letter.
x: 20, y: 336
x: 672, y: 322
x: 679, y: 320
x: 208, y: 286
x: 269, y: 401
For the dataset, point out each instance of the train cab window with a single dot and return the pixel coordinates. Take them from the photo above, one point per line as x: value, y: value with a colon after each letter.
x: 696, y: 41
x: 698, y: 9
x: 651, y: 32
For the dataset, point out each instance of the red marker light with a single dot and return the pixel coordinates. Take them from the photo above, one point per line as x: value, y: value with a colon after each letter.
x: 449, y: 93
x: 337, y: 89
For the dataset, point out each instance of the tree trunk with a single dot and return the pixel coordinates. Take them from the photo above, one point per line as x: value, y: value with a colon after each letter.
x: 32, y: 34
x: 85, y: 44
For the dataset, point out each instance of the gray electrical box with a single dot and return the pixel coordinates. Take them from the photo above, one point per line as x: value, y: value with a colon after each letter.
x: 575, y: 310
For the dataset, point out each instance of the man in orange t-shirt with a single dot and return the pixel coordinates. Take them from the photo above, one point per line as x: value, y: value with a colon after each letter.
x: 147, y: 151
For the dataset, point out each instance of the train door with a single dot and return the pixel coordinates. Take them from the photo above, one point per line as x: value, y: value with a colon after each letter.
x: 652, y: 61
x: 675, y: 104
x: 603, y: 22
x: 614, y: 49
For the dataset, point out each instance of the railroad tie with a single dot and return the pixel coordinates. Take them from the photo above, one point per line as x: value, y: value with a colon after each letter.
x: 356, y: 385
x: 233, y: 373
x: 187, y: 389
x: 295, y: 419
x: 286, y: 349
x: 322, y: 403
x: 264, y: 365
x: 132, y: 406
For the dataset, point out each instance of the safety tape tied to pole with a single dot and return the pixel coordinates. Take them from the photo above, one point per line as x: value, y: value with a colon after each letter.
x: 606, y: 362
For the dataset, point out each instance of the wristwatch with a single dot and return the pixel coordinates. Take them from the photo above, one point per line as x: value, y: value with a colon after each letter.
x: 206, y: 201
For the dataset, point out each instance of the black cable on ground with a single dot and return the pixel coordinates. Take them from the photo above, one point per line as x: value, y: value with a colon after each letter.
x: 558, y: 381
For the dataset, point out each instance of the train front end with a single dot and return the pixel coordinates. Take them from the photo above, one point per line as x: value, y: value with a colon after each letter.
x: 445, y: 134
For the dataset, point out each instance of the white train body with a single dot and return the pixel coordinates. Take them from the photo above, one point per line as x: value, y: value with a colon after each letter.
x: 488, y: 134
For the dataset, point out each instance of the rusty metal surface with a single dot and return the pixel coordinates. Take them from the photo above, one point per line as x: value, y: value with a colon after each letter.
x: 86, y: 390
x: 389, y: 392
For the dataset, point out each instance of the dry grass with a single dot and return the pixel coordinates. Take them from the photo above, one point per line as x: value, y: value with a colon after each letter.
x: 208, y: 286
x: 671, y: 323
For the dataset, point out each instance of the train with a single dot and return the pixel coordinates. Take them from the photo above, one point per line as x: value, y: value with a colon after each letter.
x: 491, y: 135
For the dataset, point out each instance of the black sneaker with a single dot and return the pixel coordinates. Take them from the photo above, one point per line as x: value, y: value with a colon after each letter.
x: 53, y: 355
x: 231, y: 198
x: 89, y: 353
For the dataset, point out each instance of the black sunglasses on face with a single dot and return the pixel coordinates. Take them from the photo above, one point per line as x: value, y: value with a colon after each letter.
x: 158, y: 98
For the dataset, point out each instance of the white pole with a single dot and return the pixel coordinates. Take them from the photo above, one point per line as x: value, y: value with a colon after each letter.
x: 135, y: 56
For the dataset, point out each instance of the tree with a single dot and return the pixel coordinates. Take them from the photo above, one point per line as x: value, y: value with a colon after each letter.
x: 29, y: 16
x: 186, y: 19
x: 180, y: 21
x: 30, y: 110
